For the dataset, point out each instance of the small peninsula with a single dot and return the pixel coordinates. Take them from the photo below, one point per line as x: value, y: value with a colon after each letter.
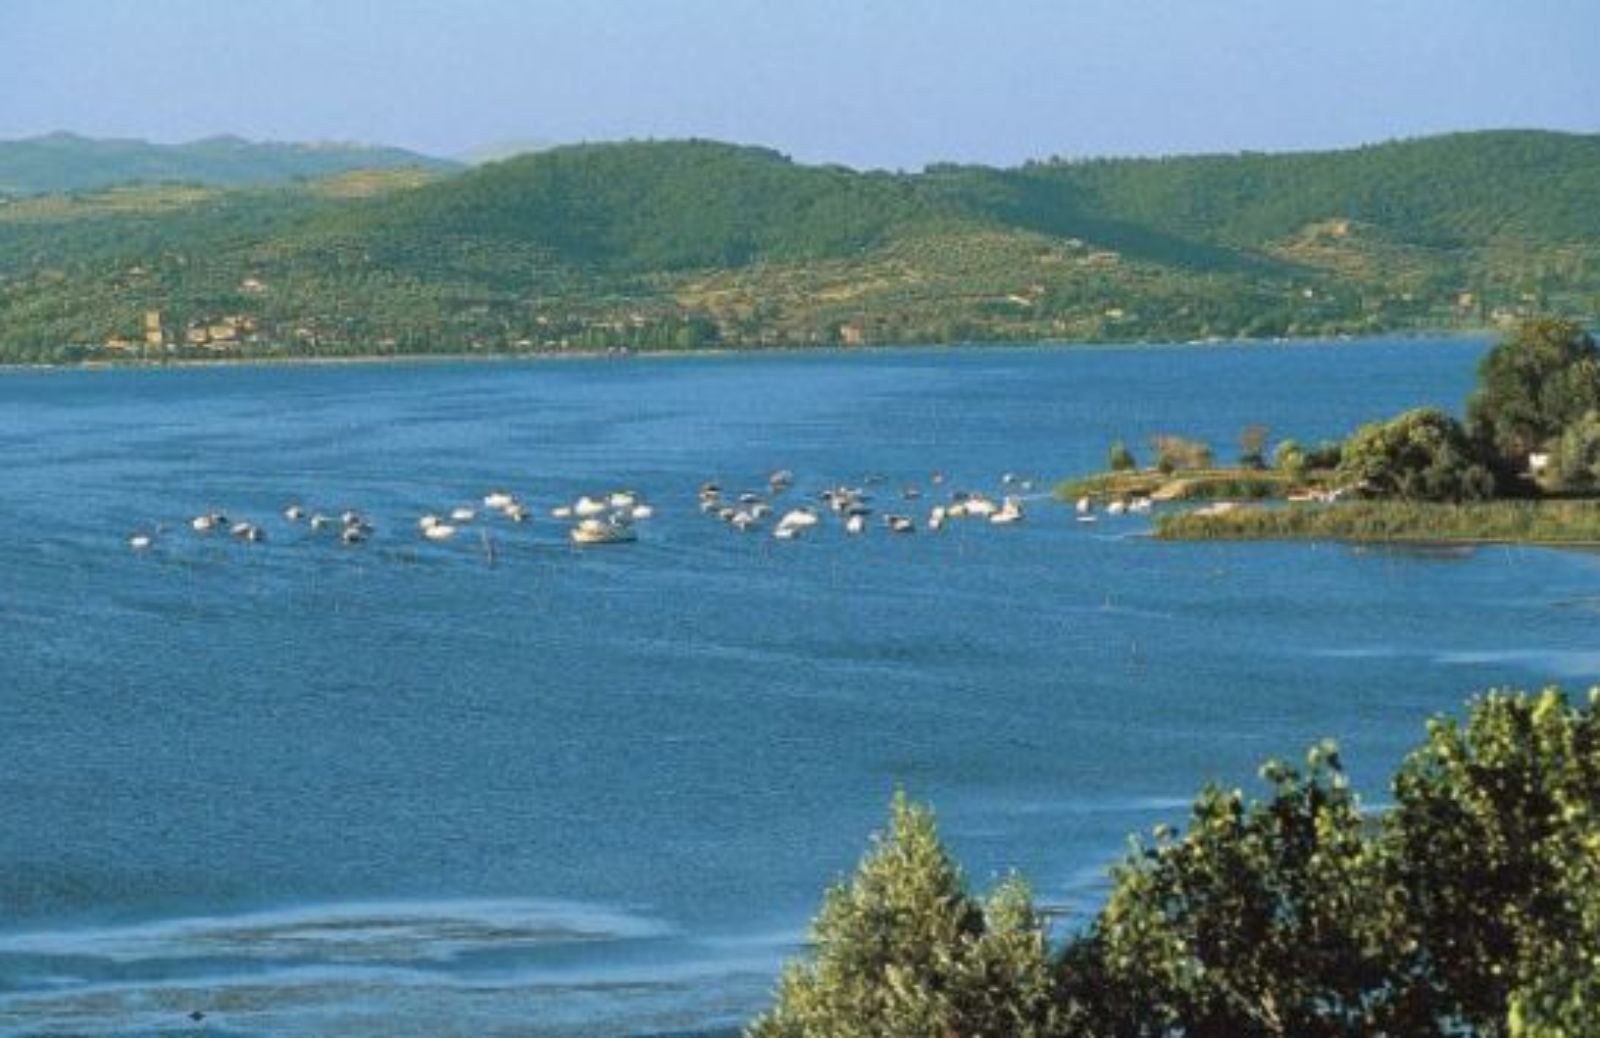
x: 1524, y: 467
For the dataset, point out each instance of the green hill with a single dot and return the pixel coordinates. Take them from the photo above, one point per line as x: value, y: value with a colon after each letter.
x: 686, y: 243
x: 68, y: 162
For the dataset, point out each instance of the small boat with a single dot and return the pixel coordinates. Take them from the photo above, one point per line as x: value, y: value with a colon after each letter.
x: 742, y: 521
x: 353, y: 535
x: 140, y: 541
x: 1010, y: 512
x: 321, y: 522
x: 799, y: 517
x: 437, y: 531
x: 462, y: 515
x: 516, y: 512
x: 294, y: 513
x: 602, y: 531
x: 936, y: 518
x: 248, y: 532
x: 855, y: 523
x: 1085, y: 506
x: 780, y: 481
x: 498, y: 501
x: 623, y: 500
x: 1117, y: 507
x: 207, y: 523
x: 561, y: 512
x: 587, y: 507
x: 786, y: 533
x: 900, y: 524
x: 642, y: 512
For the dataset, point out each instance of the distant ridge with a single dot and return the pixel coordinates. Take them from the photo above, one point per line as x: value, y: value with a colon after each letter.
x: 69, y: 162
x: 687, y: 243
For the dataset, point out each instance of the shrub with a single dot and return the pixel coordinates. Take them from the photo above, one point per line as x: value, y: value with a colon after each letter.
x: 1120, y: 458
x: 1422, y: 455
x: 1290, y: 460
x: 1175, y: 453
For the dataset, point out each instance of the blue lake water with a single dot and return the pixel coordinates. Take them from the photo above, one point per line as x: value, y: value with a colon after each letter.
x: 395, y: 790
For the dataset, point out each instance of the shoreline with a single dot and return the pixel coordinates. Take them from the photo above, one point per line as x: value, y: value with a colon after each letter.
x: 540, y: 356
x: 1564, y: 523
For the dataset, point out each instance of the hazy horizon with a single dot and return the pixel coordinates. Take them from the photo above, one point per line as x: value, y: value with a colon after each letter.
x: 898, y: 85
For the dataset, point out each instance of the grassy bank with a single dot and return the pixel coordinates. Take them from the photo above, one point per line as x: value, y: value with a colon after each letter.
x: 1489, y: 522
x: 1195, y: 485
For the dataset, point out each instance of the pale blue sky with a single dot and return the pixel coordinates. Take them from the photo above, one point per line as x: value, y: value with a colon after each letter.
x: 866, y: 82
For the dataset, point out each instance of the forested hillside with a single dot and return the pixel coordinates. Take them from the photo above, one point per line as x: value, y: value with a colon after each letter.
x: 694, y: 243
x: 68, y: 162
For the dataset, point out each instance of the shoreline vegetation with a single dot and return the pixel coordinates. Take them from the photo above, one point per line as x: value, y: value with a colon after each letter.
x: 283, y: 357
x: 1523, y: 469
x: 1574, y: 524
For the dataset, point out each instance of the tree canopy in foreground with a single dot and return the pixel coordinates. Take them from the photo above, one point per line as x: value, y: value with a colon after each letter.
x: 1470, y: 908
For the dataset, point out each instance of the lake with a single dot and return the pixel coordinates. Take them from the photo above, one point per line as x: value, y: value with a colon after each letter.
x: 416, y: 788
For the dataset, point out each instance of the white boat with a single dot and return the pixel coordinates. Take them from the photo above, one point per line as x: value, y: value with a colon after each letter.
x: 498, y: 500
x: 516, y: 512
x: 1010, y: 512
x: 462, y: 515
x: 1085, y: 506
x: 900, y: 524
x: 1117, y: 507
x: 855, y: 523
x: 294, y: 513
x: 205, y: 523
x: 561, y: 512
x: 248, y: 532
x: 587, y: 507
x: 438, y: 531
x: 642, y: 512
x: 799, y: 517
x: 623, y: 500
x: 140, y: 541
x: 602, y: 531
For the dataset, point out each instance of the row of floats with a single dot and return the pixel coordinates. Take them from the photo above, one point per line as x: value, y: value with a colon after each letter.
x: 612, y: 518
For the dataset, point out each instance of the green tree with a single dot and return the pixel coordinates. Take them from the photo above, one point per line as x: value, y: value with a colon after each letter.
x: 1120, y: 458
x: 1533, y: 384
x: 1421, y: 455
x: 1290, y: 459
x: 1490, y: 818
x: 904, y: 951
x: 1574, y: 462
x: 1267, y: 919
